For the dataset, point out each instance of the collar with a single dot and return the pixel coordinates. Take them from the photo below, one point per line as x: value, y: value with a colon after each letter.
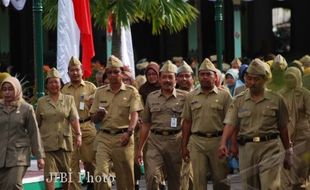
x: 81, y: 84
x: 214, y: 89
x: 174, y: 93
x: 267, y: 94
x: 123, y: 87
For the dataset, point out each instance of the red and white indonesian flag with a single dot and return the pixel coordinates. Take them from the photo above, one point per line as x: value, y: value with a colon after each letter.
x: 74, y: 26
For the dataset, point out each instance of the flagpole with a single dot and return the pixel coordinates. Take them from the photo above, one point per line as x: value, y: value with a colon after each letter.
x: 37, y: 10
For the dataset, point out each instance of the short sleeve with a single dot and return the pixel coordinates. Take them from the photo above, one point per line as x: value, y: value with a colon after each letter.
x: 231, y: 117
x: 186, y: 113
x: 73, y: 111
x: 135, y: 102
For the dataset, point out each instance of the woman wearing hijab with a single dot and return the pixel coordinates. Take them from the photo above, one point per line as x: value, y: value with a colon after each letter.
x: 56, y: 113
x: 297, y: 100
x: 152, y: 83
x: 19, y: 136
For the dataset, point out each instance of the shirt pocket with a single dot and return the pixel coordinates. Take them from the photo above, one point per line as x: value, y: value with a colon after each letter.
x: 269, y: 116
x: 216, y: 109
x: 124, y: 108
x: 244, y: 117
x: 22, y: 152
x: 196, y: 109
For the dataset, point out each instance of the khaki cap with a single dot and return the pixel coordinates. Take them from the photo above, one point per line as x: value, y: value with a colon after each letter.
x: 279, y: 63
x: 259, y: 67
x: 207, y: 65
x: 114, y: 62
x: 185, y: 68
x: 169, y: 67
x: 236, y: 60
x: 74, y: 61
x: 3, y: 76
x: 53, y: 73
x: 305, y: 60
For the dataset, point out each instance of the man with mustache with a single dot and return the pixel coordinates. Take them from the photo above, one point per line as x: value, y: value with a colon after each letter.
x: 162, y: 118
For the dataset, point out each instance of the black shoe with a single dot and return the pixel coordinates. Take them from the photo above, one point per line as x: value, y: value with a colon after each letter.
x: 136, y: 187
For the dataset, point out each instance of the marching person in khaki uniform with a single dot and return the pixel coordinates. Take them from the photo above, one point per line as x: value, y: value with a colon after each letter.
x: 19, y: 134
x: 81, y: 90
x: 56, y: 113
x: 186, y: 82
x: 161, y: 118
x: 261, y: 116
x: 297, y: 99
x: 203, y: 116
x: 115, y: 107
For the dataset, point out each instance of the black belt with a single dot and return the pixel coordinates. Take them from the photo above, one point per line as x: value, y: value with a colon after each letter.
x: 84, y: 120
x: 165, y: 132
x: 208, y: 135
x: 242, y: 140
x: 114, y: 131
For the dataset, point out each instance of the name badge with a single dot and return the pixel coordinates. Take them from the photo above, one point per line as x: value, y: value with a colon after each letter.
x: 174, y: 122
x: 82, y: 106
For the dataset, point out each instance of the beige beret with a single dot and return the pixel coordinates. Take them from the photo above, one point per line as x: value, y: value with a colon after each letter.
x: 169, y: 67
x: 207, y: 65
x: 114, y: 62
x: 185, y: 68
x: 258, y: 67
x: 74, y: 61
x: 53, y: 73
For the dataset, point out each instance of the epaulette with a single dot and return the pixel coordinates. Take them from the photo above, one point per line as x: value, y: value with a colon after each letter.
x: 103, y: 86
x: 155, y: 92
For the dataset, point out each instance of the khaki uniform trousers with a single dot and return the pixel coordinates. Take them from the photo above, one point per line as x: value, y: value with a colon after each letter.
x: 204, y: 158
x: 260, y: 165
x: 85, y: 153
x: 109, y: 149
x: 186, y: 176
x: 298, y: 174
x: 163, y: 154
x: 11, y: 178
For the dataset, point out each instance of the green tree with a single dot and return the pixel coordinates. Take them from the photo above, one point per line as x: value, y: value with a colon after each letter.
x: 163, y: 15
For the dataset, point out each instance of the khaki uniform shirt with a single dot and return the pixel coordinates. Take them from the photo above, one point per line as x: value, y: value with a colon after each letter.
x: 207, y: 112
x: 54, y: 122
x: 118, y: 106
x: 257, y: 119
x: 19, y: 135
x: 159, y: 111
x: 81, y: 96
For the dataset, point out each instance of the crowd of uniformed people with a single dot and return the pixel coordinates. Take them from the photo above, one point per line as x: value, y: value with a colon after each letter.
x: 182, y: 124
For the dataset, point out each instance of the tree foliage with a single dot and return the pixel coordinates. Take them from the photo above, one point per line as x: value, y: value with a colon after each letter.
x: 170, y: 15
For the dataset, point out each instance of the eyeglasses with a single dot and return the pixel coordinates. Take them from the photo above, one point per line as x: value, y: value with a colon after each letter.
x: 114, y: 72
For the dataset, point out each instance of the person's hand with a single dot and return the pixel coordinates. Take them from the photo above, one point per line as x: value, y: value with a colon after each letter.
x: 124, y: 139
x: 78, y: 142
x: 288, y: 159
x: 139, y: 157
x: 234, y: 149
x: 101, y: 113
x: 222, y: 151
x: 185, y: 153
x: 40, y: 163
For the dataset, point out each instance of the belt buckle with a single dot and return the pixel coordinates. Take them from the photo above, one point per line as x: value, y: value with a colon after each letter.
x: 256, y: 139
x: 165, y: 133
x: 209, y: 135
x: 113, y: 132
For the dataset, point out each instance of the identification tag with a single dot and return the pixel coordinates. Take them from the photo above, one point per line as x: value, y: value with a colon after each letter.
x: 174, y: 122
x: 82, y: 106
